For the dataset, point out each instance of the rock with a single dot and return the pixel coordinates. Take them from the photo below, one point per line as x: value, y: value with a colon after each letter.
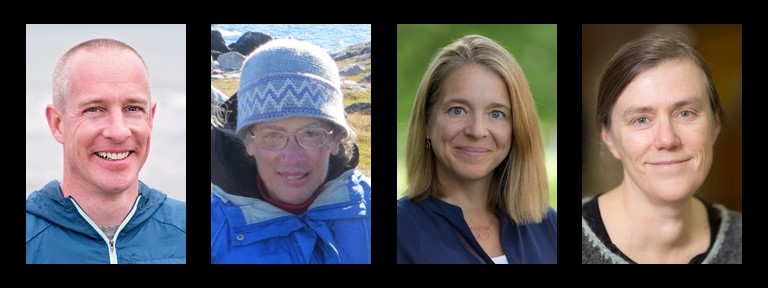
x: 366, y: 79
x: 351, y: 69
x: 215, y: 54
x: 217, y: 42
x: 361, y: 107
x: 231, y: 61
x: 249, y: 42
x: 351, y: 51
x: 363, y: 57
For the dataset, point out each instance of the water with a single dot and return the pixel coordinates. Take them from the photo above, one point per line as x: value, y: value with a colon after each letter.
x: 330, y: 37
x: 163, y: 48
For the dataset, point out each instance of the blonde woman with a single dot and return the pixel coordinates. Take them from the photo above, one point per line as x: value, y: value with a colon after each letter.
x: 477, y: 189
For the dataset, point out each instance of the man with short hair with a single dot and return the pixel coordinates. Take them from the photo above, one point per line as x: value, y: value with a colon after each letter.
x: 100, y: 212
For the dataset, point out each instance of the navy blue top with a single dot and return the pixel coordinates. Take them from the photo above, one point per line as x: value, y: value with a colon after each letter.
x: 434, y: 231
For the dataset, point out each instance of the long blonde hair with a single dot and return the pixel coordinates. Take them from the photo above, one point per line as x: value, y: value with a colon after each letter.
x: 519, y: 185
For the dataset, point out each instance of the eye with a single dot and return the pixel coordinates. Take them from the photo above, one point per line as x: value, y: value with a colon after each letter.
x: 134, y: 109
x: 686, y: 114
x: 271, y: 134
x: 91, y: 110
x: 456, y: 111
x: 312, y: 133
x: 498, y: 115
x: 641, y: 120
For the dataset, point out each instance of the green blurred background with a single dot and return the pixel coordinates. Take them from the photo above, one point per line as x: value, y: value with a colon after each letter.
x: 533, y: 46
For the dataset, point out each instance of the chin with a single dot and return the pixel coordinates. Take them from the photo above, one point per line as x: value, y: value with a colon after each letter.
x: 675, y: 193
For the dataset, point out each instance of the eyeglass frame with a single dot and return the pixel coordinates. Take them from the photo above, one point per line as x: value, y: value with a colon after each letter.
x: 253, y: 138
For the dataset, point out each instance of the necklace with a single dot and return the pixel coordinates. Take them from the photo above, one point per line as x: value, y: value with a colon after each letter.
x: 481, y: 232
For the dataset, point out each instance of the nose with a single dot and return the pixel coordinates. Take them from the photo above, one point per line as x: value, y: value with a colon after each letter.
x: 667, y: 137
x: 293, y: 153
x: 476, y: 126
x: 117, y: 129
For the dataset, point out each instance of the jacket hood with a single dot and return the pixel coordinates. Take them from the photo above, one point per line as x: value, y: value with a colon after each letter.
x: 232, y: 169
x: 50, y: 204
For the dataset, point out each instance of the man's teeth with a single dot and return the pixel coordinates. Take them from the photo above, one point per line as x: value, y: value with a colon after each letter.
x: 113, y: 156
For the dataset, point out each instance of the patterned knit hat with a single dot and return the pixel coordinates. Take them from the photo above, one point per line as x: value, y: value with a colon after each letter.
x: 289, y: 78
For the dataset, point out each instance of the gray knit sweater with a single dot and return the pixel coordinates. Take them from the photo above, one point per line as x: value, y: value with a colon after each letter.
x: 725, y: 250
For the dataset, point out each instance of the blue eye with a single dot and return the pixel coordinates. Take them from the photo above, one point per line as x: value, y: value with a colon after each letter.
x: 686, y: 114
x: 456, y: 111
x: 642, y: 120
x: 497, y: 115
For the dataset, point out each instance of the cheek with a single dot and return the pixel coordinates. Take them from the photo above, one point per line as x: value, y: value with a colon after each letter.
x: 502, y: 136
x: 700, y: 139
x: 447, y: 129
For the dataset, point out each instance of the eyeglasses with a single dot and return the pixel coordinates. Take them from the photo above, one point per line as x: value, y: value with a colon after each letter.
x: 276, y: 140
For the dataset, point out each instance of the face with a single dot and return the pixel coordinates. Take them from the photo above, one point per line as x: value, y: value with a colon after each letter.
x: 470, y: 125
x: 293, y: 173
x: 663, y: 130
x: 106, y: 124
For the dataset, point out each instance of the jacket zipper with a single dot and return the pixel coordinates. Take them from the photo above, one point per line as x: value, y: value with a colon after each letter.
x: 110, y: 243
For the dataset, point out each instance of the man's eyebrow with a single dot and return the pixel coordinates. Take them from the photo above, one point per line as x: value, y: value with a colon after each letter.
x: 102, y: 101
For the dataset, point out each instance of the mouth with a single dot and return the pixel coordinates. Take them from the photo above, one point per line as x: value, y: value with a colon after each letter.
x: 668, y: 163
x: 114, y: 156
x: 474, y: 151
x: 294, y: 178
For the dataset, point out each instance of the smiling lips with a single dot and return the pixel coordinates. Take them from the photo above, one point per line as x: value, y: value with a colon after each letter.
x: 294, y: 178
x: 473, y: 151
x: 113, y: 156
x: 668, y: 163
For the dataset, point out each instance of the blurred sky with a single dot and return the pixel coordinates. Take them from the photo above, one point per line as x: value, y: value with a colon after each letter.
x: 163, y: 48
x: 533, y: 46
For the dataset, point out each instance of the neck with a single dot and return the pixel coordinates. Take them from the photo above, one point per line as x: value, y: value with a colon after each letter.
x: 103, y: 207
x: 654, y: 231
x: 470, y: 196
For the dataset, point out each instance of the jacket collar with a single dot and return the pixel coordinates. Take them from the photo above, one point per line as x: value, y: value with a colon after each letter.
x: 50, y: 204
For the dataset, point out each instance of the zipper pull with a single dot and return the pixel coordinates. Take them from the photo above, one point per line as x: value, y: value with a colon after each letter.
x: 111, y: 246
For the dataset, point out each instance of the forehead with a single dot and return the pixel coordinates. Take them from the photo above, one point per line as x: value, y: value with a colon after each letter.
x: 291, y: 123
x: 667, y: 83
x: 475, y: 84
x: 107, y: 66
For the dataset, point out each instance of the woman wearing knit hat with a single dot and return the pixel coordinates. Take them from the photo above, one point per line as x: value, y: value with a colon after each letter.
x: 477, y: 188
x: 285, y: 187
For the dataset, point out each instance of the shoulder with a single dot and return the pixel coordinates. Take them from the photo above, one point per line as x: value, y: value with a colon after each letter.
x: 357, y: 180
x: 728, y: 244
x: 169, y: 211
x: 35, y: 226
x: 410, y: 214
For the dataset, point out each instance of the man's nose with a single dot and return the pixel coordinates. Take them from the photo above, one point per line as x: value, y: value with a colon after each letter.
x: 117, y: 128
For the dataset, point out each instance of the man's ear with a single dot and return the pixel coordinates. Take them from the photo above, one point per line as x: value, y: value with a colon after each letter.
x: 153, y: 105
x: 608, y: 140
x: 53, y: 115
